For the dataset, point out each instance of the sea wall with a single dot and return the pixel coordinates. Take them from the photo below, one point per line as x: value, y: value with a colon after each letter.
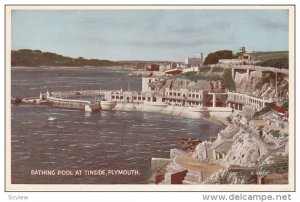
x: 65, y: 103
x: 221, y: 112
x: 73, y: 104
x: 175, y: 110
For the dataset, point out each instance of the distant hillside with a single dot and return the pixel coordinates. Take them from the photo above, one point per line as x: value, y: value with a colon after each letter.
x: 279, y: 59
x: 136, y: 62
x: 271, y: 55
x: 35, y: 58
x: 282, y: 63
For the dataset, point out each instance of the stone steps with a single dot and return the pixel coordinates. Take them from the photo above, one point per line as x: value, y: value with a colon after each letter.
x: 193, y: 177
x: 171, y: 170
x: 210, y: 153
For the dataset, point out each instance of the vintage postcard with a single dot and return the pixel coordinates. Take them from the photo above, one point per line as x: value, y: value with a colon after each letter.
x: 150, y: 98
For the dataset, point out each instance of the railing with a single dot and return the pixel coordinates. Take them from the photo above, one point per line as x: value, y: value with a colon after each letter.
x: 253, y: 67
x: 233, y: 97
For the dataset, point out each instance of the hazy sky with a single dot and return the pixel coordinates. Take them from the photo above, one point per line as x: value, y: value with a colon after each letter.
x: 149, y: 34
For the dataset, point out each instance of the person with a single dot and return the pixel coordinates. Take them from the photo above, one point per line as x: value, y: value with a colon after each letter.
x: 260, y: 134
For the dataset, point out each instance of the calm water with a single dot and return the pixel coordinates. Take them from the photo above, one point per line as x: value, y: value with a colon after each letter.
x: 78, y: 140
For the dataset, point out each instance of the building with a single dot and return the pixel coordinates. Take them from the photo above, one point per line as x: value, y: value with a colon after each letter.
x: 194, y: 61
x: 242, y: 49
x: 232, y: 61
x: 149, y: 83
x: 132, y: 96
x: 216, y: 100
x: 181, y: 65
x: 243, y: 55
x: 191, y: 69
x: 152, y: 67
x: 166, y: 66
x: 237, y: 101
x: 185, y: 97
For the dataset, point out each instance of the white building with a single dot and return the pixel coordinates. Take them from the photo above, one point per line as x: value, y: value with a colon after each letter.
x: 195, y: 61
x: 146, y: 83
x: 185, y: 97
x: 191, y: 69
x: 131, y: 96
x: 165, y: 66
x: 231, y: 61
x: 237, y: 101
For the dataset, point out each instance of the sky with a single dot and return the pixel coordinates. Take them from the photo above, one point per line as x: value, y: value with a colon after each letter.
x: 148, y: 34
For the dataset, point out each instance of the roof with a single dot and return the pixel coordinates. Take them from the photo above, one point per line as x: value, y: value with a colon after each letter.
x: 279, y: 109
x: 173, y: 71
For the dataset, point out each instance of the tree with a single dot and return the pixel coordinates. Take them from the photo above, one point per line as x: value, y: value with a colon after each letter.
x: 213, y: 58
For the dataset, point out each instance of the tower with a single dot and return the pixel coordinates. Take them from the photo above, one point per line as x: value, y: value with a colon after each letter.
x: 200, y: 56
x: 242, y: 49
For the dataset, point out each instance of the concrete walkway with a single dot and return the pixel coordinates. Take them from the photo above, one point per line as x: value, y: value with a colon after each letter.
x: 189, y: 163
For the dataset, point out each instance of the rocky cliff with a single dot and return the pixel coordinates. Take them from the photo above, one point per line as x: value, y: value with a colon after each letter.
x: 176, y: 83
x: 261, y: 84
x: 245, y: 151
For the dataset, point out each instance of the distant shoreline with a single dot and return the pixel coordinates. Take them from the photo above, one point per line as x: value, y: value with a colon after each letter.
x: 71, y: 67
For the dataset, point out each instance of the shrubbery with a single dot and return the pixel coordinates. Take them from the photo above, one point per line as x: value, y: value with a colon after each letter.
x: 194, y: 76
x: 213, y: 58
x: 282, y: 63
x: 228, y: 80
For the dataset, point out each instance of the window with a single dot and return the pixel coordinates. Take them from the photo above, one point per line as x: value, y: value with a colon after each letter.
x: 121, y: 97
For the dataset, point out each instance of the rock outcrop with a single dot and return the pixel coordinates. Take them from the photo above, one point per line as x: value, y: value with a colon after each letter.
x: 261, y: 84
x: 187, y: 84
x: 201, y: 151
x: 245, y: 151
